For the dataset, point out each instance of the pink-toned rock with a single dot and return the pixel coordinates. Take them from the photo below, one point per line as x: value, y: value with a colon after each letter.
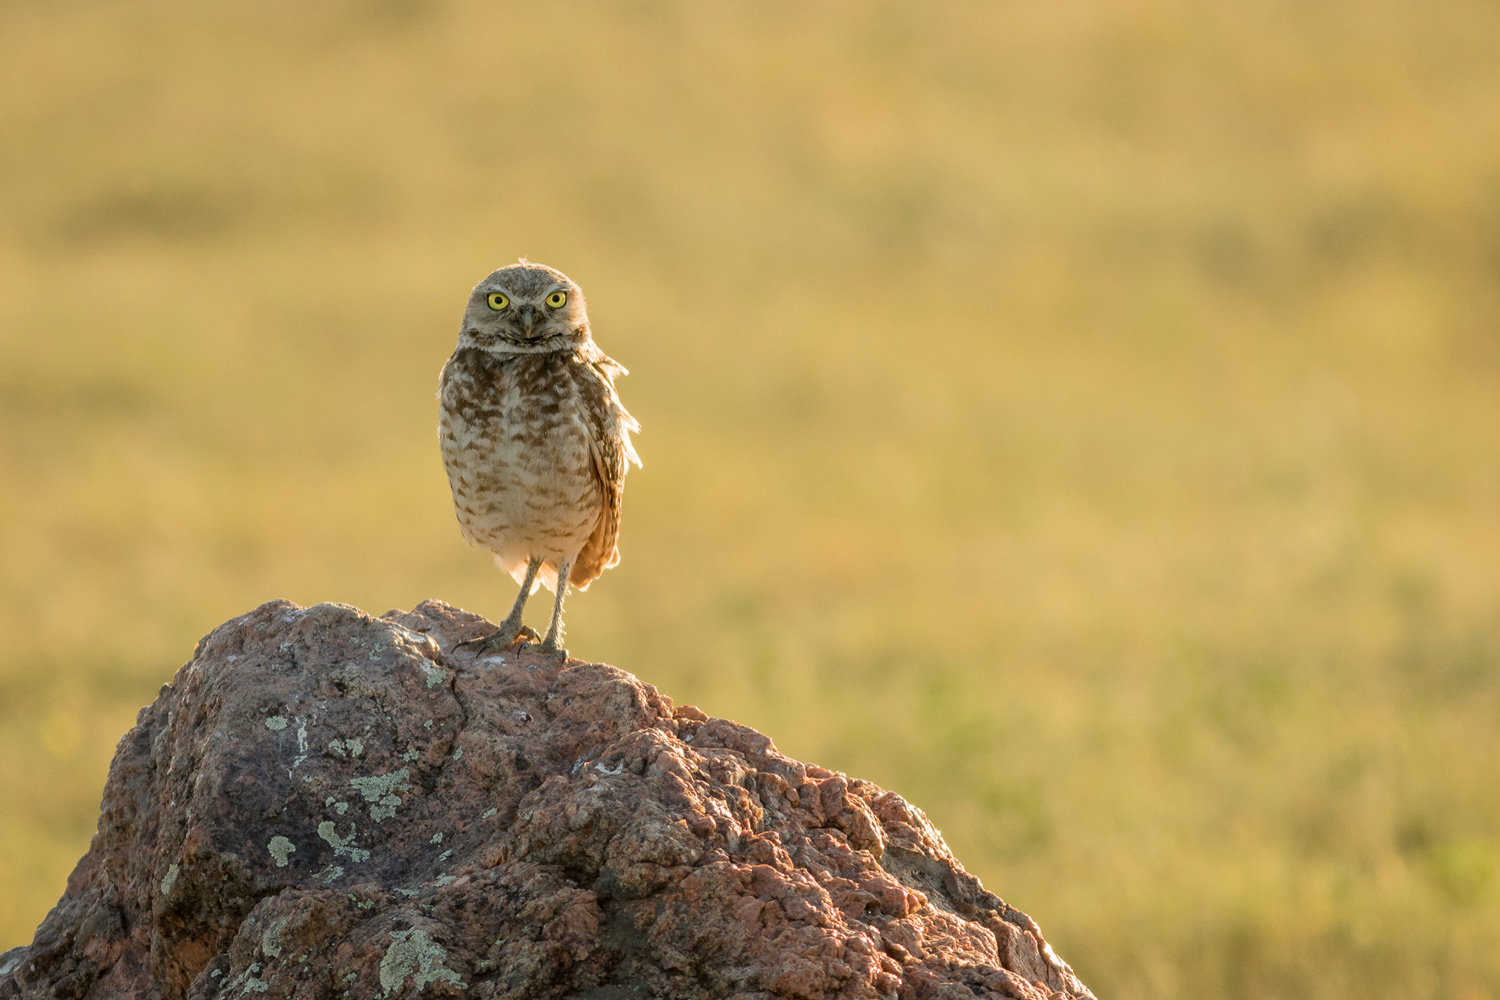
x: 325, y: 805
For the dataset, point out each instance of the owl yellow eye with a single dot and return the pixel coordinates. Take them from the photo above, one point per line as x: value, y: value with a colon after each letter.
x: 498, y: 301
x: 556, y: 299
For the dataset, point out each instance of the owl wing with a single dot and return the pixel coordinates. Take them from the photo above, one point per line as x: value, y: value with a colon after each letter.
x: 612, y: 452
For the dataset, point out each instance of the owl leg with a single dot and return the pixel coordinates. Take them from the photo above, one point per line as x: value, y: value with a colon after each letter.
x: 511, y: 629
x: 549, y: 644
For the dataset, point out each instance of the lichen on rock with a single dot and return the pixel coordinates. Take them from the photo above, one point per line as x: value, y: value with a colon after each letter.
x: 535, y: 829
x: 414, y: 955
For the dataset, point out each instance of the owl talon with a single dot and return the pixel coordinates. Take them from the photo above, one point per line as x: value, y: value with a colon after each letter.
x: 501, y: 638
x: 543, y: 648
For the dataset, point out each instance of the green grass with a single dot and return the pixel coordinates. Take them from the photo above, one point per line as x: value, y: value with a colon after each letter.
x: 1082, y: 419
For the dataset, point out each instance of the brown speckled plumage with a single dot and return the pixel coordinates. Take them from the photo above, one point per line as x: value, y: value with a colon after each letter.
x: 534, y: 437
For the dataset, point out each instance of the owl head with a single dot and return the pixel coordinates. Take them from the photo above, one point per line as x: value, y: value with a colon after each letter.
x: 525, y: 308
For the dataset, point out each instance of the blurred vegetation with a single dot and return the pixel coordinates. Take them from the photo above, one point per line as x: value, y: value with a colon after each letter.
x: 1079, y: 418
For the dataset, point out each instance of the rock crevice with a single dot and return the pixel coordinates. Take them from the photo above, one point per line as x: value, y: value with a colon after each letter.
x: 323, y: 804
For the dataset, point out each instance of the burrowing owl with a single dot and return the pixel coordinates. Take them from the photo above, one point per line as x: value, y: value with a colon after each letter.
x: 534, y: 438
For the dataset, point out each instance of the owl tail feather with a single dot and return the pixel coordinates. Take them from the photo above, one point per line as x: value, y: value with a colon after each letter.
x: 545, y: 577
x: 517, y: 570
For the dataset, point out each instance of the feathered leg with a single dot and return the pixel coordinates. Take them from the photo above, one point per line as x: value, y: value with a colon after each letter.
x: 549, y: 644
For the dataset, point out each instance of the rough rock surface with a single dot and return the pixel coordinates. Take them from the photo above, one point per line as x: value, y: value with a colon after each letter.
x: 323, y: 804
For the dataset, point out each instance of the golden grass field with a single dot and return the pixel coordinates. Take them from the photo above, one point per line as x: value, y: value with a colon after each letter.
x: 1081, y: 418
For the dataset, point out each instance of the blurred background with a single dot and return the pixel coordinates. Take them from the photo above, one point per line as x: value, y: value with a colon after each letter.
x: 1083, y: 419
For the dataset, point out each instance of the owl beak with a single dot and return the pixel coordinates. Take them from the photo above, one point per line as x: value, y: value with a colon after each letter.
x: 528, y: 318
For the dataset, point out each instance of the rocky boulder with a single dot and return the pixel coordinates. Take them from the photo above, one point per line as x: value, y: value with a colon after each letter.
x: 323, y: 804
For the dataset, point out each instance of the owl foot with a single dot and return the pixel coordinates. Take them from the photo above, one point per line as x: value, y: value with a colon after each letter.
x: 546, y: 649
x: 505, y: 637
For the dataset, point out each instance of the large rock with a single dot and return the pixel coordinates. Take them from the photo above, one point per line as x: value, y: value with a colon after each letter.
x: 324, y: 804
